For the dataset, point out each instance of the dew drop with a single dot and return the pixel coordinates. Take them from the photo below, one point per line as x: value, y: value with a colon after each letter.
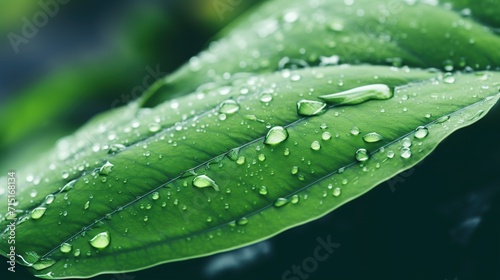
x: 115, y: 148
x: 77, y: 252
x: 372, y: 137
x: 263, y: 190
x: 326, y: 136
x: 43, y: 264
x: 38, y: 212
x: 310, y: 107
x: 276, y: 135
x: 241, y: 222
x: 359, y: 95
x: 203, y: 181
x: 266, y: 97
x: 87, y: 205
x: 233, y: 154
x: 49, y: 199
x: 421, y: 132
x: 337, y: 191
x: 315, y: 145
x: 240, y: 160
x: 295, y: 170
x: 448, y: 78
x: 261, y: 157
x: 106, y: 168
x: 155, y: 196
x: 294, y: 199
x: 405, y: 152
x: 442, y: 119
x: 154, y: 127
x: 362, y: 155
x: 229, y: 107
x: 101, y: 240
x: 280, y: 202
x: 406, y: 142
x: 286, y: 152
x: 390, y: 154
x: 354, y: 131
x: 66, y: 248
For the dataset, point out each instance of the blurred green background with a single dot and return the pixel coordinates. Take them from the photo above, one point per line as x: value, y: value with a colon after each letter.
x: 440, y: 222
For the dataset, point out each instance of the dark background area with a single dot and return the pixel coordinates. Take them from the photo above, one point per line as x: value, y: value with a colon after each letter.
x: 438, y: 221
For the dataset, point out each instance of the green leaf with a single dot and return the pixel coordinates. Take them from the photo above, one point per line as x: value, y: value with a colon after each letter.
x: 194, y: 176
x: 296, y: 33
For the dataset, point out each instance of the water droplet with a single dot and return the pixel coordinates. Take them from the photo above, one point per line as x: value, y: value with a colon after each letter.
x: 106, y: 168
x: 49, y: 199
x: 276, y: 135
x: 337, y: 191
x: 326, y: 136
x: 68, y: 186
x: 155, y: 195
x: 38, y: 212
x: 286, y: 152
x: 421, y: 132
x: 405, y: 152
x: 359, y: 95
x: 243, y: 221
x: 263, y: 190
x: 295, y: 169
x: 229, y: 107
x: 390, y: 154
x: 406, y: 142
x: 233, y: 154
x: 154, y: 127
x: 33, y: 193
x: 372, y: 137
x: 87, y: 205
x: 203, y: 181
x: 101, y: 240
x: 66, y: 247
x: 115, y: 148
x: 315, y: 145
x: 354, y: 131
x: 280, y: 202
x: 266, y: 97
x: 362, y: 155
x: 442, y: 119
x: 77, y: 252
x: 43, y: 264
x: 240, y: 160
x: 449, y: 78
x: 261, y: 157
x: 310, y: 107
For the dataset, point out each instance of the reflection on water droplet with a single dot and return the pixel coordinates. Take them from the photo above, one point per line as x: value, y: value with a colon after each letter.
x: 229, y: 107
x: 66, y: 247
x: 372, y: 137
x: 280, y: 202
x: 310, y: 107
x: 362, y: 155
x: 203, y: 181
x: 421, y: 132
x: 276, y: 135
x: 101, y: 240
x: 38, y: 212
x: 315, y: 145
x: 359, y: 95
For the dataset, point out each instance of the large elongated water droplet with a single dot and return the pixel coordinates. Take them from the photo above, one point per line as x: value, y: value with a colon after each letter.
x: 280, y: 202
x: 229, y: 107
x: 359, y: 95
x: 310, y: 107
x: 372, y: 137
x: 43, y: 264
x: 203, y: 181
x: 38, y: 212
x: 101, y: 240
x: 276, y: 135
